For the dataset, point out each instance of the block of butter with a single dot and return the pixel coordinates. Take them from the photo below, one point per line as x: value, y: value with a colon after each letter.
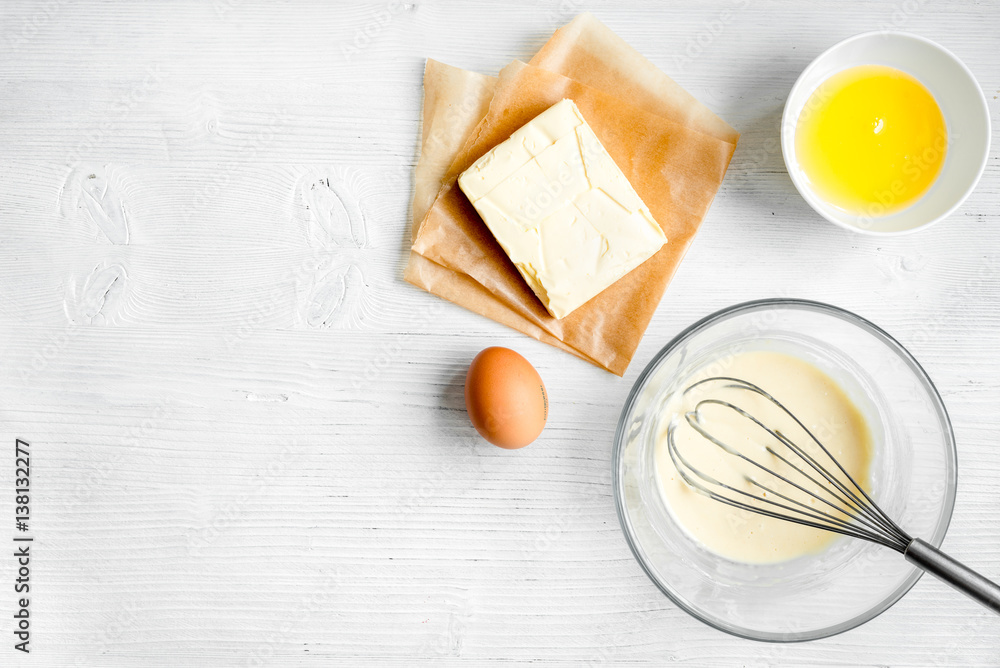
x: 561, y: 209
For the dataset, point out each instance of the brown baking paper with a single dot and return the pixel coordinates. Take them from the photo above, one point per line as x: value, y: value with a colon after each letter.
x: 676, y: 170
x: 455, y: 101
x: 587, y: 50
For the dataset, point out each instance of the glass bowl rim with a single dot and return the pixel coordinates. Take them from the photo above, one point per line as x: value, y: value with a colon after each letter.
x: 851, y: 318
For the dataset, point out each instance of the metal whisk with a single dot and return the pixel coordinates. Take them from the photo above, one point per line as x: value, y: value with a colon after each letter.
x: 842, y: 506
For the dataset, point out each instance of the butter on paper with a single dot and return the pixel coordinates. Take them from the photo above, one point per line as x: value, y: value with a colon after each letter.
x: 455, y: 101
x: 561, y: 209
x: 457, y: 263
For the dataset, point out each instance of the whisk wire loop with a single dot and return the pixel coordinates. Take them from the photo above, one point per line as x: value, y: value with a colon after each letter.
x: 869, y: 503
x: 864, y: 519
x: 857, y: 515
x: 850, y: 501
x: 817, y: 521
x: 693, y: 418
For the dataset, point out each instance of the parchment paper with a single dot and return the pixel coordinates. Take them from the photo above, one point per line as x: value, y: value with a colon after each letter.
x: 587, y: 50
x: 455, y: 101
x: 674, y: 168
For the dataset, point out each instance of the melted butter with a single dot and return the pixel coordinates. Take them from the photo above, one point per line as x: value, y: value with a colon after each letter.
x: 815, y: 399
x: 871, y: 140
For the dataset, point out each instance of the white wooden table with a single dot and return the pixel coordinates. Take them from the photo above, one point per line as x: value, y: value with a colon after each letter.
x: 248, y: 438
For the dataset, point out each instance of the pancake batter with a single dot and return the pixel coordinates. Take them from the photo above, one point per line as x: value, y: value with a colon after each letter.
x: 810, y: 395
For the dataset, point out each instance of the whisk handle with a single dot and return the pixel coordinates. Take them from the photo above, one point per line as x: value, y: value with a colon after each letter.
x: 922, y: 554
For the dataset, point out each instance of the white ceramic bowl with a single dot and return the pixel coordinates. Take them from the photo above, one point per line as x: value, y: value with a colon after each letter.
x: 958, y: 95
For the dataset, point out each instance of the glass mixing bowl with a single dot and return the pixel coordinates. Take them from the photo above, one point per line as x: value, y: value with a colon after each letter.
x: 912, y: 475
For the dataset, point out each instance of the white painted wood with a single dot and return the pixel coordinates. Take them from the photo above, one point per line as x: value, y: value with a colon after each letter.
x: 248, y: 433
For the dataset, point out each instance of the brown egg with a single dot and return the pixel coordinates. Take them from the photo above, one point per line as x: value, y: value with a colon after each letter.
x: 505, y: 398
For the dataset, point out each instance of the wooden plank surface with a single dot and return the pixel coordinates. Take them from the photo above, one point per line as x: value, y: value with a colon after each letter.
x: 249, y: 440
